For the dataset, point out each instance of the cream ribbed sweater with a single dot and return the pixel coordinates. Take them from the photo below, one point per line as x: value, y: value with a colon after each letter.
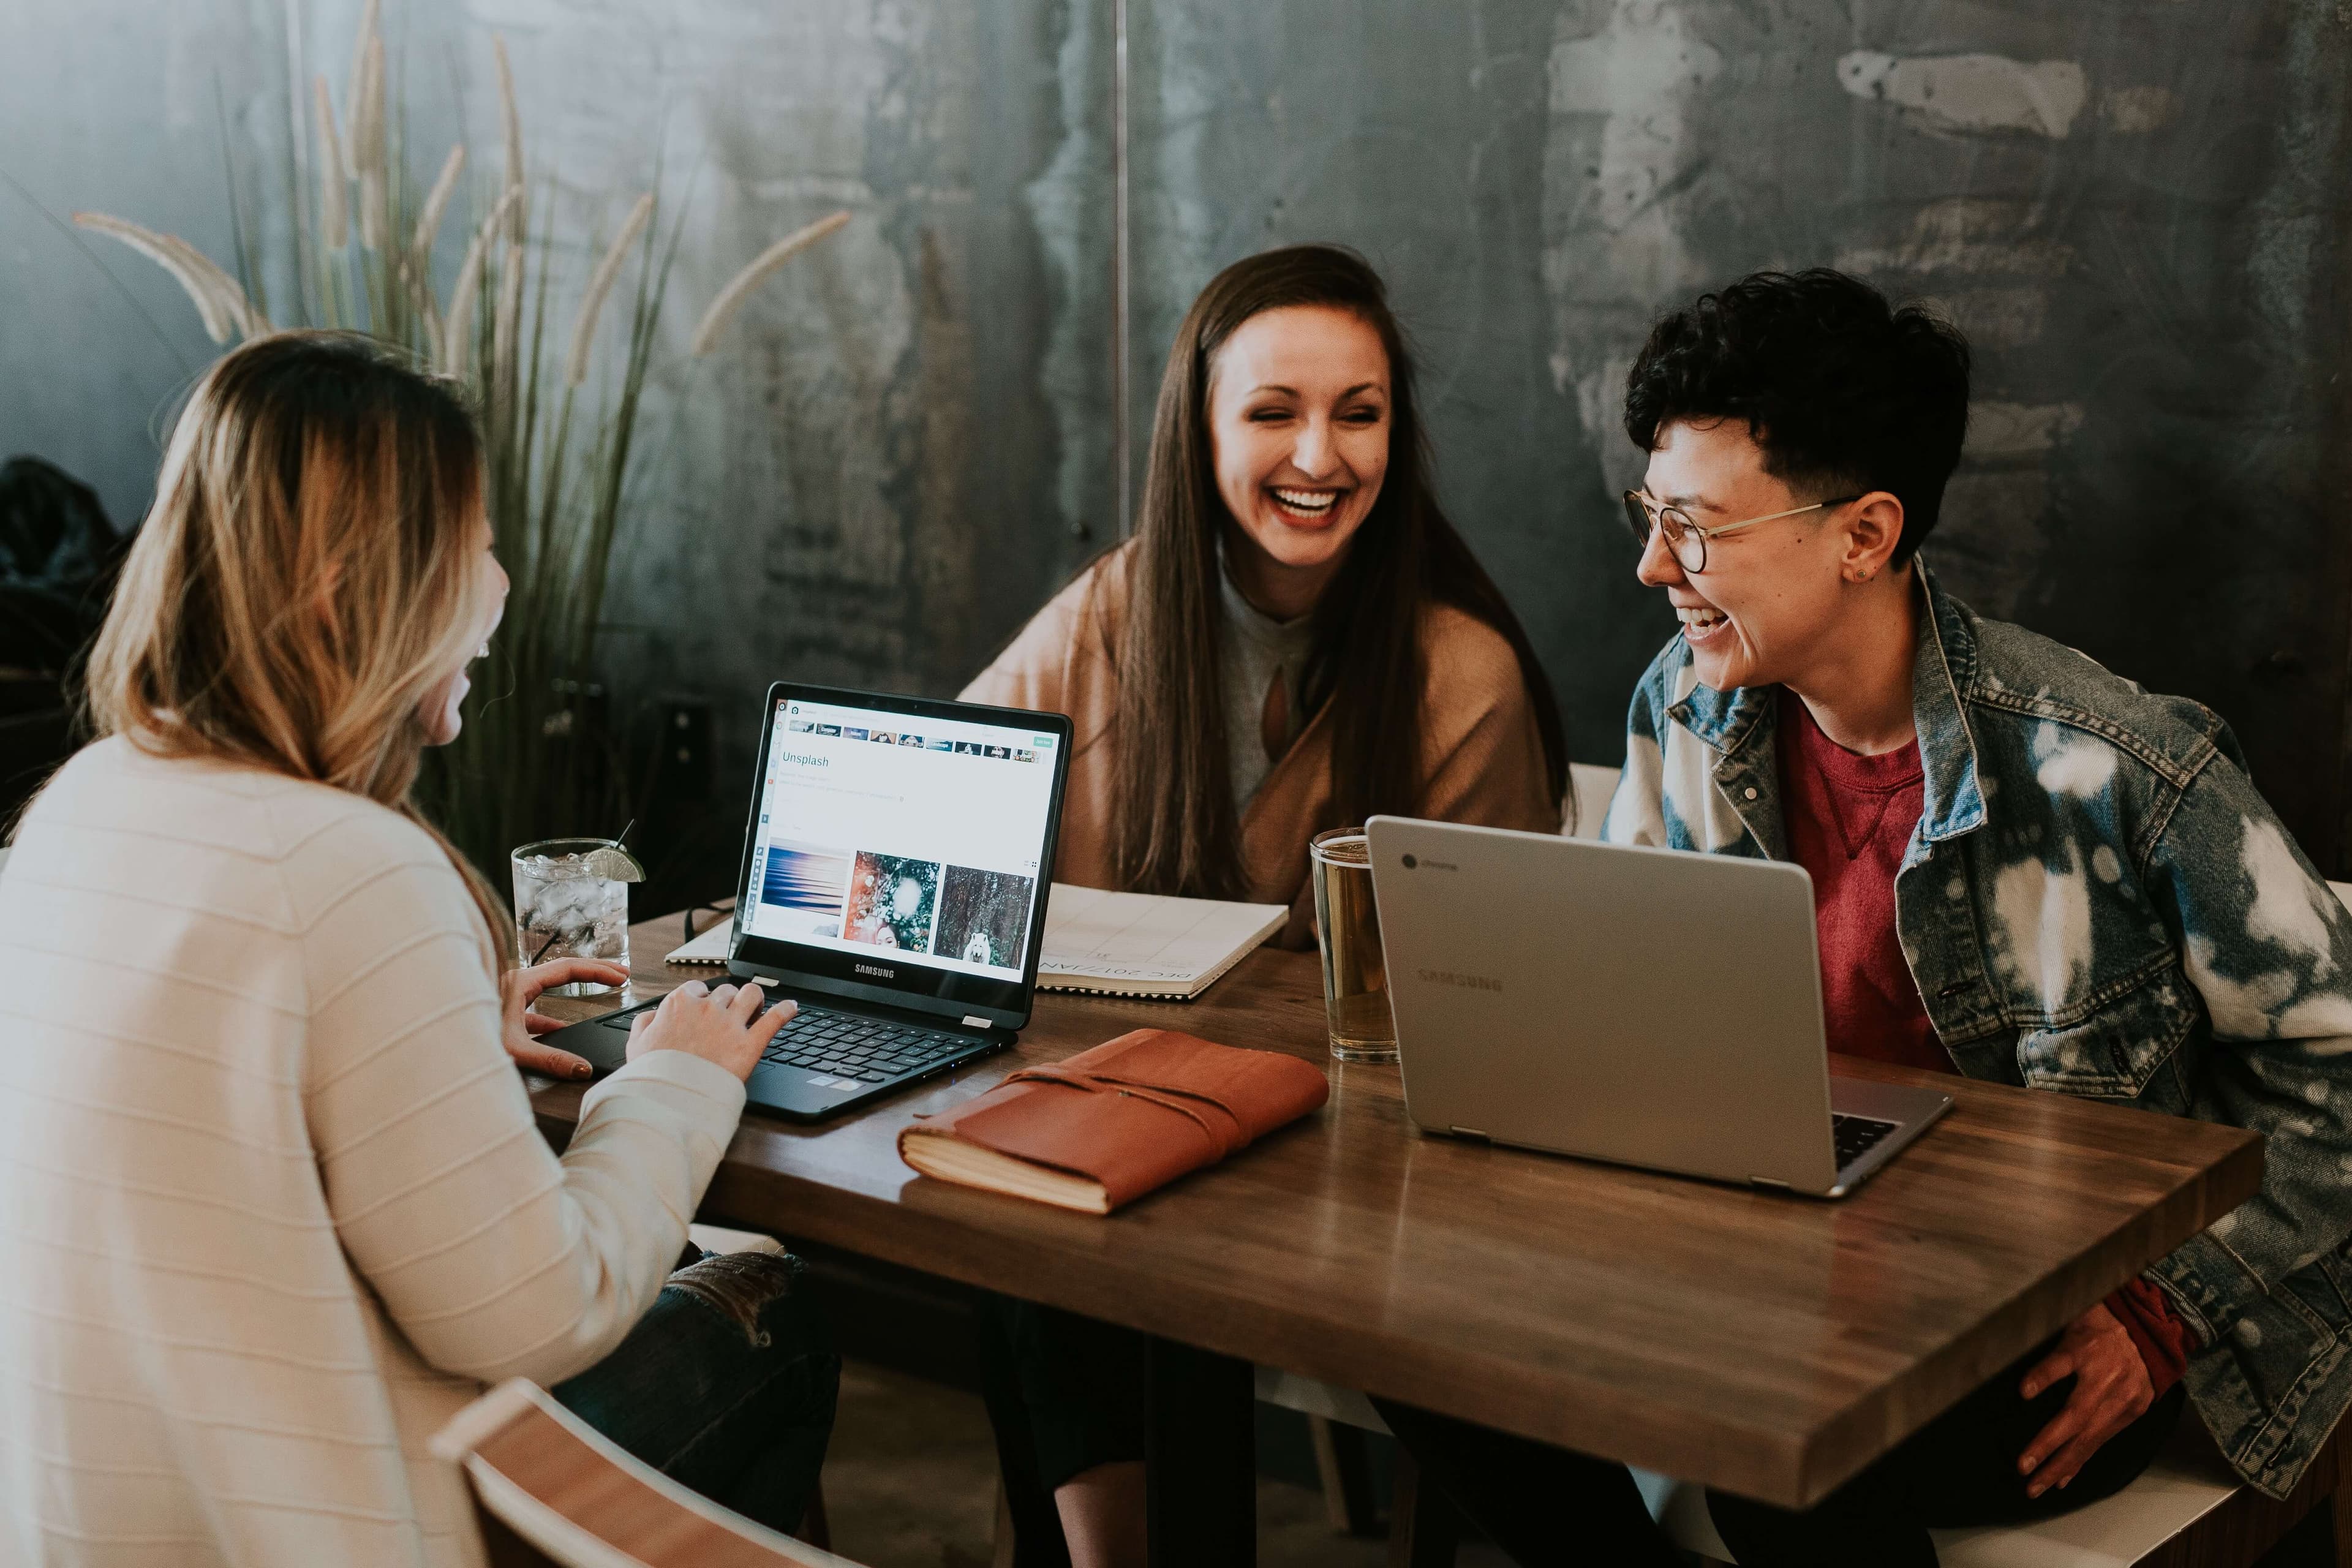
x: 272, y: 1205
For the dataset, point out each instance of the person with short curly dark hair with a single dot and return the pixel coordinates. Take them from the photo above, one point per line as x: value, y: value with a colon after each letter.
x: 1844, y: 394
x: 2024, y: 870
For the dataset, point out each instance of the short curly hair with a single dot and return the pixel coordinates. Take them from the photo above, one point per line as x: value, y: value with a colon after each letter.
x: 1843, y: 393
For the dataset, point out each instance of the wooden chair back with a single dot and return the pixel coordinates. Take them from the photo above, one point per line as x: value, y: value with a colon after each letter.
x: 550, y: 1489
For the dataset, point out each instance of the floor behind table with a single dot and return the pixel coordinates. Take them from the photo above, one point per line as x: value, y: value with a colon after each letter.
x: 910, y: 1482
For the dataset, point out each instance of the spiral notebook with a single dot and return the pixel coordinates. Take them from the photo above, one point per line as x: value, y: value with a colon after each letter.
x: 1111, y: 944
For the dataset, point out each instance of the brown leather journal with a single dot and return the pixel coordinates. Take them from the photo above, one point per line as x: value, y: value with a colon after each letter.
x: 1113, y: 1124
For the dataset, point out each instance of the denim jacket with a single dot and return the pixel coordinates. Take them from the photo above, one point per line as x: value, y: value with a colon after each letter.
x: 2097, y: 901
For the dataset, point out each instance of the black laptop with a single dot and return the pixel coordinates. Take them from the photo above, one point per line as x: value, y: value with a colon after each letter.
x: 894, y: 882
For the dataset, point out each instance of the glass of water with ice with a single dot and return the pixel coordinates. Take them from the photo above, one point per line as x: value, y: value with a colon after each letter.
x: 571, y: 900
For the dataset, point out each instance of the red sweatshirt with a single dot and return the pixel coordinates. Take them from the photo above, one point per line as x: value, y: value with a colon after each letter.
x: 1849, y: 820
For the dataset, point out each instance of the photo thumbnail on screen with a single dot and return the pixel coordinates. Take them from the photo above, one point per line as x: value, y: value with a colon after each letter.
x: 806, y: 887
x: 984, y: 916
x: 892, y: 901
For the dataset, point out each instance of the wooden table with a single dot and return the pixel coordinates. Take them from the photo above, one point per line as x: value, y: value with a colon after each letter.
x: 1767, y: 1344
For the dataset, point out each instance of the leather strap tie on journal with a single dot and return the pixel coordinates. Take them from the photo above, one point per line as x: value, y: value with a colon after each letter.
x: 1225, y: 1138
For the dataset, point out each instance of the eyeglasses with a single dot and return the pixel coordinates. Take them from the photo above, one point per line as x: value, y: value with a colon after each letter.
x: 1686, y: 538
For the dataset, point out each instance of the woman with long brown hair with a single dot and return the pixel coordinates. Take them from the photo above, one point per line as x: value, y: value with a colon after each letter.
x: 275, y: 1203
x: 1295, y: 639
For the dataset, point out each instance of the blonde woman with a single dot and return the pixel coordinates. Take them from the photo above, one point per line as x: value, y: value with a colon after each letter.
x: 272, y: 1202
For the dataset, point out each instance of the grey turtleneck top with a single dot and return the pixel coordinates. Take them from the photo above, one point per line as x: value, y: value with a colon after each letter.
x: 1254, y: 650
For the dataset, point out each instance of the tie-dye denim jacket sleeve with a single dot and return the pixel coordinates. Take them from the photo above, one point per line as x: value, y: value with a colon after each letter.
x: 2097, y: 900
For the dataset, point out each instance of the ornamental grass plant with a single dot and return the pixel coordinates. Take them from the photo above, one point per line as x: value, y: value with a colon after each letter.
x: 537, y: 757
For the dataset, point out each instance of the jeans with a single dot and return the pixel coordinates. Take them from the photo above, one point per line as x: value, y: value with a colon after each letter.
x: 726, y: 1386
x: 1549, y: 1508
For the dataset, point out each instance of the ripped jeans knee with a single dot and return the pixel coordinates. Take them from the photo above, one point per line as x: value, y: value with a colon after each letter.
x: 740, y: 1287
x: 727, y: 1383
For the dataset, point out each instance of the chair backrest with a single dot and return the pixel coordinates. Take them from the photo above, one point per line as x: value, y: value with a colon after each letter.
x: 549, y: 1488
x: 1591, y: 788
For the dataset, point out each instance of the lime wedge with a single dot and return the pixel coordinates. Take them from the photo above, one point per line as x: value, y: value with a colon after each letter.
x: 614, y: 864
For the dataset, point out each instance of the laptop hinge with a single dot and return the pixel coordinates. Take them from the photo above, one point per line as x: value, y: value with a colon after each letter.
x: 1767, y: 1182
x: 974, y: 1021
x: 1470, y: 1132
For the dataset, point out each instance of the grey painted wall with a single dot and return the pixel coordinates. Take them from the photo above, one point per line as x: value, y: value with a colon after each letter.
x: 118, y: 105
x: 902, y: 446
x: 2136, y: 210
x: 894, y: 454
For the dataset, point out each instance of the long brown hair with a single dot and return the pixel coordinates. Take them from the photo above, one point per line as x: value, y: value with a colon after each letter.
x: 1178, y: 829
x: 308, y: 573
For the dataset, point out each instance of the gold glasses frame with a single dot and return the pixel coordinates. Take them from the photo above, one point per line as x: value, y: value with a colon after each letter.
x: 1684, y: 537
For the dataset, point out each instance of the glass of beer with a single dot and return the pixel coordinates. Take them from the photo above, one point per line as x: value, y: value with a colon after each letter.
x: 1348, y: 929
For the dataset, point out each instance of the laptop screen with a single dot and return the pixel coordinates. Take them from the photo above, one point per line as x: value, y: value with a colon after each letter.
x: 900, y: 842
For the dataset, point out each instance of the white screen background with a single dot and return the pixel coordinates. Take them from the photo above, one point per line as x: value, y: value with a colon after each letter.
x: 941, y: 846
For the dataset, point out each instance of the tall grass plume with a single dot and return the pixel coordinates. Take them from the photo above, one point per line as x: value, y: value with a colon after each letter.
x: 528, y: 763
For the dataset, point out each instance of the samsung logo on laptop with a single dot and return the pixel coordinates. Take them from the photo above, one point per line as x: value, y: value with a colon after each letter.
x: 1468, y: 982
x: 879, y: 973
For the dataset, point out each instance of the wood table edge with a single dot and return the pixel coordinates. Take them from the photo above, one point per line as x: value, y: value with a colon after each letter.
x: 917, y: 1239
x: 1773, y: 1466
x: 1764, y: 1462
x: 1829, y: 1458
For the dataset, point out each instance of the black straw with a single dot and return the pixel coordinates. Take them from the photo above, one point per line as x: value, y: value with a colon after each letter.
x: 551, y: 941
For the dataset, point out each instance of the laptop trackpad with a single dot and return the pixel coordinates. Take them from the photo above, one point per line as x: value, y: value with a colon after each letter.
x: 603, y: 1041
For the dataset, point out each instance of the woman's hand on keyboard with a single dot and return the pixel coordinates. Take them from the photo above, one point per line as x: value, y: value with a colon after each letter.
x: 717, y: 1025
x: 518, y: 988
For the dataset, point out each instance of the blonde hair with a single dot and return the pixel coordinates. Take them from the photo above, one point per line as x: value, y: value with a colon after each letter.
x: 307, y: 576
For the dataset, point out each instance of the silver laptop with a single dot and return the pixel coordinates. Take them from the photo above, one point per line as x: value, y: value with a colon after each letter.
x: 1647, y: 1006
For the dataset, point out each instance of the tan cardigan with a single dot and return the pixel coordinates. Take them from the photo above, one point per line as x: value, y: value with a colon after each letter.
x: 1482, y: 753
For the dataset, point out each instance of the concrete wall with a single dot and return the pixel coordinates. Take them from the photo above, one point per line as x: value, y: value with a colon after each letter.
x: 901, y: 447
x: 893, y: 454
x: 120, y: 106
x: 2136, y: 210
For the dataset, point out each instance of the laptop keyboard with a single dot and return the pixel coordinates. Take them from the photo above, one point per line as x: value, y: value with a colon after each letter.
x: 871, y: 1050
x: 848, y: 1044
x: 1857, y: 1136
